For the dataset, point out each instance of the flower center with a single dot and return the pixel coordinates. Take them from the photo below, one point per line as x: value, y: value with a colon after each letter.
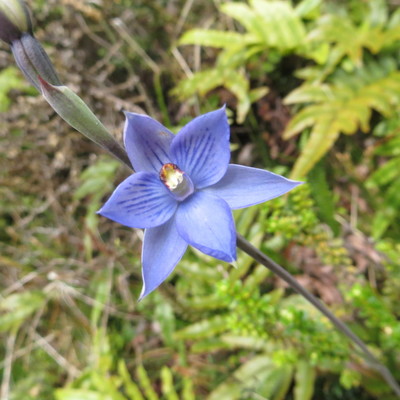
x: 177, y: 181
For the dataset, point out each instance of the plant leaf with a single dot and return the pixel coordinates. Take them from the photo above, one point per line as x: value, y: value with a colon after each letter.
x: 214, y: 38
x: 305, y: 378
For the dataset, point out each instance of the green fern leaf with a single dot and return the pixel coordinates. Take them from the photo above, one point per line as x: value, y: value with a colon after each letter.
x: 305, y: 379
x: 235, y: 81
x: 268, y: 25
x: 246, y: 16
x: 203, y: 329
x: 390, y: 148
x: 235, y: 57
x: 322, y: 138
x: 130, y: 387
x: 281, y: 26
x: 348, y: 39
x: 201, y: 82
x: 307, y: 117
x: 389, y: 182
x: 385, y: 174
x: 394, y: 21
x: 145, y: 383
x: 341, y: 107
x: 308, y: 8
x: 274, y: 23
x: 167, y: 381
x: 310, y: 93
x: 214, y: 38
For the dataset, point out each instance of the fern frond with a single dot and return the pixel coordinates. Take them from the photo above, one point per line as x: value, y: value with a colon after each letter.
x: 322, y: 138
x: 340, y: 108
x: 350, y: 40
x: 217, y: 39
x: 246, y: 16
x: 385, y: 174
x: 387, y: 180
x: 201, y: 82
x: 282, y: 27
x: 204, y: 81
x: 268, y: 24
x: 274, y: 23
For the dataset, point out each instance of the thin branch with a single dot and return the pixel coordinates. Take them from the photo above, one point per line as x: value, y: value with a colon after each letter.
x: 123, y: 31
x: 8, y: 361
x: 260, y: 257
x: 23, y: 352
x: 56, y: 356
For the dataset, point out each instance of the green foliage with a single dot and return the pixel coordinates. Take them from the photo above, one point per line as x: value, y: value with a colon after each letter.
x: 379, y: 319
x: 342, y: 106
x: 350, y: 40
x: 392, y: 285
x: 106, y: 379
x: 204, y: 81
x: 386, y: 179
x: 17, y: 308
x: 70, y: 325
x: 270, y: 26
x: 10, y: 78
x: 96, y: 182
x: 288, y: 338
x: 274, y: 24
x: 341, y: 92
x: 257, y: 377
x: 355, y: 72
x: 323, y: 196
x: 305, y: 381
x: 268, y: 325
x: 300, y: 221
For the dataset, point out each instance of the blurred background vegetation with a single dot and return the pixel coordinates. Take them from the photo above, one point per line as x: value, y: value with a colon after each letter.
x: 313, y: 92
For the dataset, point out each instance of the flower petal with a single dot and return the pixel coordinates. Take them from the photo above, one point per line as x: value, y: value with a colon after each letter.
x: 244, y: 186
x: 201, y: 148
x: 162, y: 249
x: 206, y: 222
x: 147, y: 142
x: 140, y: 201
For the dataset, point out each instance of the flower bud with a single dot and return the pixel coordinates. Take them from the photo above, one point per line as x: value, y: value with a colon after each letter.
x: 33, y: 61
x: 72, y: 109
x: 16, y: 30
x: 14, y: 20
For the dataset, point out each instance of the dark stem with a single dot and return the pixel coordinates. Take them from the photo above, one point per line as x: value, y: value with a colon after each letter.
x: 260, y: 257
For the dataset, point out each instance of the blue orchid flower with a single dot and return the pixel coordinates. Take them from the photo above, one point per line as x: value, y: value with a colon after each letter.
x: 183, y: 191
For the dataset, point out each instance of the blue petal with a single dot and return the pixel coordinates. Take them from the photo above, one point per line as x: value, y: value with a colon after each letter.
x: 140, y: 201
x: 201, y: 148
x: 162, y: 249
x: 147, y: 142
x: 244, y: 186
x: 206, y: 222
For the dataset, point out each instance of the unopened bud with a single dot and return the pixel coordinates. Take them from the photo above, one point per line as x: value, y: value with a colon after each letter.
x: 16, y: 30
x: 33, y: 60
x: 14, y: 20
x: 72, y: 109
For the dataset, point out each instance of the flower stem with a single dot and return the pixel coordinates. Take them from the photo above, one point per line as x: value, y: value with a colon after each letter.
x: 260, y: 257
